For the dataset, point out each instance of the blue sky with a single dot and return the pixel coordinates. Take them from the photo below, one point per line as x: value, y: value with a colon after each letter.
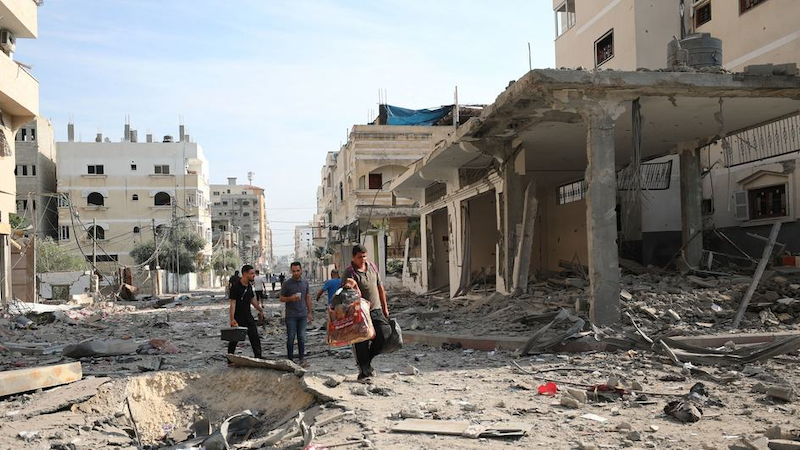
x: 271, y: 85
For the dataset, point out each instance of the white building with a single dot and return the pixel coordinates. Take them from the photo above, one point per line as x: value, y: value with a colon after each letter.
x: 127, y: 187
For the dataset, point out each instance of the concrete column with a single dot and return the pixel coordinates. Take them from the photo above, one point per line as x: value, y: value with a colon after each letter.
x: 691, y: 204
x: 423, y: 236
x: 601, y: 214
x: 514, y: 183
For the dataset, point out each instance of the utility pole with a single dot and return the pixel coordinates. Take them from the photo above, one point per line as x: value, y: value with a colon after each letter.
x: 95, y: 280
x: 35, y: 243
x: 155, y: 246
x: 175, y: 238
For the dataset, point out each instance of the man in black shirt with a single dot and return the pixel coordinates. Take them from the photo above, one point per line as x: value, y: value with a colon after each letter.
x: 242, y: 296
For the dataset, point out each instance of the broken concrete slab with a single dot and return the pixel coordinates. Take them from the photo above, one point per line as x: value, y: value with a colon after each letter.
x: 319, y: 388
x: 97, y: 347
x: 283, y: 365
x: 445, y: 427
x: 24, y: 380
x: 57, y: 399
x: 783, y: 444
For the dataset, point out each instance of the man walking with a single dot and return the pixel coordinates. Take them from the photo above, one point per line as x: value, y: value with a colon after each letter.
x: 295, y: 295
x: 242, y: 296
x: 233, y: 280
x: 273, y: 279
x: 331, y: 286
x: 363, y: 275
x: 282, y: 278
x: 259, y: 284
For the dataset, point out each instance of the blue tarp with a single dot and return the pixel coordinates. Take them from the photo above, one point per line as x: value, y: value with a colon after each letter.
x: 396, y: 115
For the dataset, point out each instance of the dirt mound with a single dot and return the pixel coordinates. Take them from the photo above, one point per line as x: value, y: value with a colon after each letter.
x: 167, y: 401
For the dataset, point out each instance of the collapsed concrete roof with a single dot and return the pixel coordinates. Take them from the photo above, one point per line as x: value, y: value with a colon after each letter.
x: 544, y: 112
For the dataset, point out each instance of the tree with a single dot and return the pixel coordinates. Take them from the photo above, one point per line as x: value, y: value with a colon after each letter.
x: 189, y: 245
x: 226, y: 260
x: 16, y: 221
x: 52, y: 258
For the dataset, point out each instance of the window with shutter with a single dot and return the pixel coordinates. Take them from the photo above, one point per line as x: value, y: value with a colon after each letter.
x: 740, y: 209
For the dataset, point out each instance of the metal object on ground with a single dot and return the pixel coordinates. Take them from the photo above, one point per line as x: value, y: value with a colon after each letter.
x: 234, y: 334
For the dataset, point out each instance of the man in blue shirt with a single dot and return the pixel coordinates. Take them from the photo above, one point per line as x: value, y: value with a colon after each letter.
x: 331, y: 286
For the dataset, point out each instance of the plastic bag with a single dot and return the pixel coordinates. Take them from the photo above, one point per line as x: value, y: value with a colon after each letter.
x: 349, y: 324
x: 395, y: 340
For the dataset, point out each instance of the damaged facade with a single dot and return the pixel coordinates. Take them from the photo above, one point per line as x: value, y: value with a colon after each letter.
x: 19, y: 104
x: 582, y: 167
x: 354, y: 202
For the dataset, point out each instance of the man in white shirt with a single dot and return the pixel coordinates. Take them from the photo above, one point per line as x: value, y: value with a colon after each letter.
x: 259, y: 285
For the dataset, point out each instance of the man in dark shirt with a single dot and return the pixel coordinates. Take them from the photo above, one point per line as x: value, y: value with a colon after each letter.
x: 242, y: 296
x: 363, y: 275
x: 295, y: 295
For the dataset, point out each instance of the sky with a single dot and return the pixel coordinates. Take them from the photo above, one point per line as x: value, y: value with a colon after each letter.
x: 271, y: 86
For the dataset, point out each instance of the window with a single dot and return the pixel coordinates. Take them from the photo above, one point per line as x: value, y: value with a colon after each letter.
x: 702, y: 13
x: 33, y: 170
x: 225, y: 203
x: 229, y: 191
x: 247, y: 214
x: 24, y: 133
x: 136, y: 230
x: 565, y: 17
x: 341, y: 191
x: 245, y: 203
x: 96, y: 232
x: 747, y: 5
x: 63, y: 233
x: 768, y: 202
x: 162, y: 199
x: 216, y: 192
x: 22, y: 205
x: 63, y: 200
x: 33, y: 134
x: 95, y: 199
x: 161, y: 169
x: 217, y: 203
x: 133, y: 166
x: 95, y: 169
x: 375, y: 180
x: 572, y: 192
x: 135, y: 197
x: 604, y: 48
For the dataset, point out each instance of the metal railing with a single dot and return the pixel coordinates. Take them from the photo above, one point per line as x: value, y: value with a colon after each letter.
x: 774, y: 138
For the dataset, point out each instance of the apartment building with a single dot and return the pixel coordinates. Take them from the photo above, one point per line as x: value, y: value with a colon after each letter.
x: 19, y: 104
x: 304, y: 250
x: 749, y: 179
x: 354, y: 202
x: 578, y: 169
x: 35, y: 170
x: 243, y: 206
x: 114, y: 193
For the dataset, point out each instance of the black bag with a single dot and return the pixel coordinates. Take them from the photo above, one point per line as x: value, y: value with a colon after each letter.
x: 395, y: 341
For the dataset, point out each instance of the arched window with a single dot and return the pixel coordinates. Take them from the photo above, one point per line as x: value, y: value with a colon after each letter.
x: 135, y: 197
x: 136, y: 230
x: 95, y: 199
x: 161, y: 199
x: 97, y: 232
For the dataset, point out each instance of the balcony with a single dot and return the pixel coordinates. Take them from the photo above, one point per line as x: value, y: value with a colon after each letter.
x: 20, y: 16
x: 19, y: 91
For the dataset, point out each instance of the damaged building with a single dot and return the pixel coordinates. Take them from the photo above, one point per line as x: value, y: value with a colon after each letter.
x: 580, y: 169
x: 354, y: 202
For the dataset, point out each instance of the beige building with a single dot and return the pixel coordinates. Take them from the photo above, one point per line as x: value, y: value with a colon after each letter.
x: 753, y: 182
x: 127, y: 188
x: 19, y: 104
x: 576, y: 169
x: 36, y: 177
x: 354, y: 202
x: 244, y: 208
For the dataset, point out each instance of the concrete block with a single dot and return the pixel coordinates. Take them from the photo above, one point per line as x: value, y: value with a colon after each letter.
x: 24, y: 380
x: 759, y: 69
x: 784, y: 444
